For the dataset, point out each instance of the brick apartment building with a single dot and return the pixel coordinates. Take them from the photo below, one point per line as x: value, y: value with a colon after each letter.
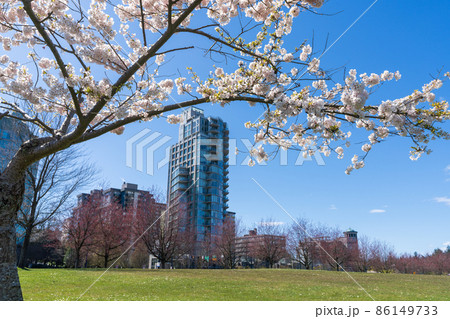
x: 128, y: 196
x: 253, y: 250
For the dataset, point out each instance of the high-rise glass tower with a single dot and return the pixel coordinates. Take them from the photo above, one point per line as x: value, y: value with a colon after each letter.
x: 198, y: 175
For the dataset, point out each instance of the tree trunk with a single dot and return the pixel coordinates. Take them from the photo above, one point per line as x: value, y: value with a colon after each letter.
x: 77, y: 258
x: 24, y: 250
x: 12, y: 185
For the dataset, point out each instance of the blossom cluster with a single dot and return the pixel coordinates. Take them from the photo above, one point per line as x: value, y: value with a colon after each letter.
x: 325, y: 112
x: 104, y: 64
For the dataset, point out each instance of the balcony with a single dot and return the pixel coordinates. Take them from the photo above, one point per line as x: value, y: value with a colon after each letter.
x: 181, y: 186
x: 225, y: 186
x: 180, y: 171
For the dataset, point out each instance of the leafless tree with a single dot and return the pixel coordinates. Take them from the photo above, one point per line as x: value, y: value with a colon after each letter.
x: 382, y: 257
x: 269, y: 246
x: 363, y: 259
x: 164, y: 233
x: 51, y: 183
x: 226, y: 243
x: 302, y: 243
x: 334, y: 252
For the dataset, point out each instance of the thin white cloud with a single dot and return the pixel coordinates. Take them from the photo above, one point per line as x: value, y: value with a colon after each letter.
x: 377, y: 211
x: 447, y: 169
x: 333, y: 207
x: 446, y: 244
x: 443, y: 200
x: 271, y: 223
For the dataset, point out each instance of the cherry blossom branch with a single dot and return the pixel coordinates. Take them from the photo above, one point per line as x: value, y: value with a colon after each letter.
x: 230, y: 45
x: 169, y: 13
x: 143, y: 22
x: 176, y: 49
x: 72, y: 51
x: 28, y: 9
x: 25, y: 117
x: 66, y: 124
x: 2, y: 115
x: 139, y: 63
x: 108, y: 128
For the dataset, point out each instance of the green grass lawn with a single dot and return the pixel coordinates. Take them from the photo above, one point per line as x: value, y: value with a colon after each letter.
x: 260, y: 284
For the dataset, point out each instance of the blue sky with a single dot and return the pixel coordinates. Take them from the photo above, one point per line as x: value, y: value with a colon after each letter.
x: 408, y: 36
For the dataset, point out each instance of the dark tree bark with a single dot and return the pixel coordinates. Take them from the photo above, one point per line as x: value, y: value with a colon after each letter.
x: 12, y: 186
x: 25, y: 245
x: 77, y: 258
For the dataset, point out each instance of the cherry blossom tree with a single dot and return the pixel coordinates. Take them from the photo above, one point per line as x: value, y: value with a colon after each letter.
x: 405, y: 264
x: 79, y: 230
x: 100, y: 68
x: 436, y: 263
x: 112, y: 233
